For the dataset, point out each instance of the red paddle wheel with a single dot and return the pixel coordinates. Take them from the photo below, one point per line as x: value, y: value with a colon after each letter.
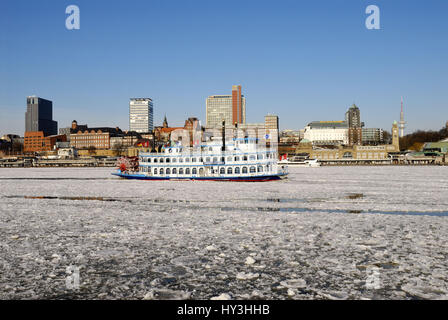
x: 127, y: 164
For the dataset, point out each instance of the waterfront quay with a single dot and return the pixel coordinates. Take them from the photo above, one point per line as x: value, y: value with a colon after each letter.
x: 34, y: 162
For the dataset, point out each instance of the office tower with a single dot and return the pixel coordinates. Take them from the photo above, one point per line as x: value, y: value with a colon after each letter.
x: 353, y: 120
x: 141, y: 115
x: 39, y: 116
x: 230, y: 108
x: 353, y: 117
x: 271, y: 122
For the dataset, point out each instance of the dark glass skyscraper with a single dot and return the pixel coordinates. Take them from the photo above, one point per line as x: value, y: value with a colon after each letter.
x: 39, y: 116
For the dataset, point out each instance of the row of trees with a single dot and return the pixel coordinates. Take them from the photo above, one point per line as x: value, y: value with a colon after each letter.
x: 416, y: 140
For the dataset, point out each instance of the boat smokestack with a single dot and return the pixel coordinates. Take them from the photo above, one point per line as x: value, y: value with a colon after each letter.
x: 223, y: 132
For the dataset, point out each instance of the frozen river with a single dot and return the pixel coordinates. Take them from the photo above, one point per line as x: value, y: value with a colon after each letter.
x: 324, y: 233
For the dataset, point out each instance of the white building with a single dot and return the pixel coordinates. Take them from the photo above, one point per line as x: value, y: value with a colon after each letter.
x: 141, y: 115
x: 326, y: 133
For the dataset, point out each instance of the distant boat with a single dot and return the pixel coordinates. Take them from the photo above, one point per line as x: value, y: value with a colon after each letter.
x: 299, y: 162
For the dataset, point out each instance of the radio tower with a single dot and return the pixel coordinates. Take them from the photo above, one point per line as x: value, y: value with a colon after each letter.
x: 402, y: 122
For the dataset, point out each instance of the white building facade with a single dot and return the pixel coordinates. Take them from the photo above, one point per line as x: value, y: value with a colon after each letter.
x: 141, y: 115
x: 327, y: 133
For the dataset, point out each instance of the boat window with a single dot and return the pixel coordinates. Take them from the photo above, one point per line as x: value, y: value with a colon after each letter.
x: 222, y: 170
x: 253, y: 169
x: 187, y: 171
x: 259, y: 156
x: 260, y: 168
x: 187, y: 159
x: 161, y: 160
x: 229, y: 159
x: 161, y: 171
x: 168, y: 159
x: 174, y: 160
x: 244, y: 158
x: 229, y: 170
x: 181, y: 171
x: 193, y: 160
x: 201, y: 160
x: 156, y: 160
x: 181, y: 160
x: 155, y: 170
x: 223, y: 159
x: 244, y: 169
x: 210, y: 149
x: 215, y: 159
x: 174, y: 171
x: 168, y: 171
x: 237, y: 170
x: 207, y: 159
x: 237, y: 158
x: 194, y: 171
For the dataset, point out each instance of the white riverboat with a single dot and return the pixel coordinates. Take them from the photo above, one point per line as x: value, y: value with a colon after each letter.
x: 241, y: 160
x: 296, y: 162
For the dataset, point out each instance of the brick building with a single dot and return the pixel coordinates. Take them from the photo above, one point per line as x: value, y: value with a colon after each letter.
x: 36, y: 141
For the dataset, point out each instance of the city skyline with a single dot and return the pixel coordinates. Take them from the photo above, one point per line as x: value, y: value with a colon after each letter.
x: 309, y: 62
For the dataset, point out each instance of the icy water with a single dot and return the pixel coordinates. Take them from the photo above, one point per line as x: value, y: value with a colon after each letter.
x: 324, y: 233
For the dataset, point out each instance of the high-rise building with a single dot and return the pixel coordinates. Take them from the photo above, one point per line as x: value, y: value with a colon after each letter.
x: 353, y: 117
x: 271, y: 121
x: 230, y: 108
x: 39, y: 116
x: 353, y: 120
x: 141, y: 115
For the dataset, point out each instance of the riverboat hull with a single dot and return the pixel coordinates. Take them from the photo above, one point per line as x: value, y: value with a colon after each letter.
x: 138, y: 176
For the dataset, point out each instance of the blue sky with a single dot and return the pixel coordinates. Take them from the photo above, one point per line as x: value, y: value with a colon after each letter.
x: 302, y: 60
